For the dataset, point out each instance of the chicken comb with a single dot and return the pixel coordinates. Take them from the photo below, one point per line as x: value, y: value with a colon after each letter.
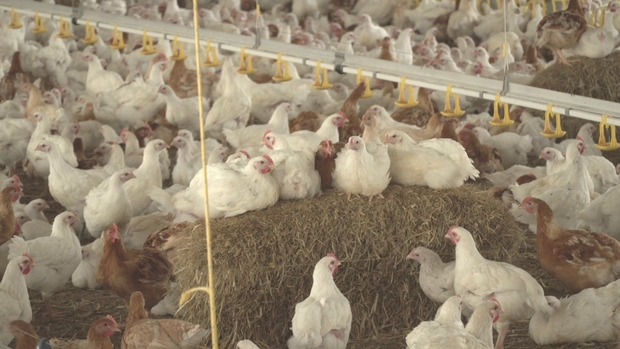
x: 579, y: 139
x: 342, y: 114
x: 266, y: 156
x: 27, y: 255
x: 109, y: 317
x: 17, y: 187
x: 115, y: 228
x: 266, y: 132
x: 245, y: 153
x: 332, y: 255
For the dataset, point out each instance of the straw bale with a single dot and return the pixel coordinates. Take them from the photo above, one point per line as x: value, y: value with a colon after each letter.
x: 263, y: 260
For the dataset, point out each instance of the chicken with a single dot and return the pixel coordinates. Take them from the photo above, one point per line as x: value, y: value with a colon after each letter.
x: 447, y: 321
x: 147, y: 175
x: 98, y: 79
x: 585, y: 134
x: 307, y: 120
x: 362, y: 168
x: 463, y: 20
x: 513, y: 148
x: 577, y: 258
x: 477, y: 279
x: 232, y: 190
x: 323, y: 320
x: 123, y: 272
x: 350, y: 108
x: 439, y: 171
x: 25, y: 335
x: 562, y: 29
x: 14, y: 300
x: 436, y: 277
x: 13, y: 78
x: 85, y: 275
x: 486, y: 159
x: 251, y: 136
x: 43, y: 131
x: 183, y: 112
x: 325, y: 161
x: 600, y: 215
x: 98, y: 336
x: 583, y: 317
x: 108, y: 204
x: 57, y: 257
x: 69, y: 186
x: 302, y: 140
x: 478, y: 333
x: 232, y: 109
x: 295, y: 173
x: 509, y: 176
x: 246, y: 344
x: 84, y: 163
x: 8, y: 196
x: 418, y: 115
x: 144, y: 333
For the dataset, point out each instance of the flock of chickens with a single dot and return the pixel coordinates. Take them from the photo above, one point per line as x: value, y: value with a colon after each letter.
x: 97, y: 124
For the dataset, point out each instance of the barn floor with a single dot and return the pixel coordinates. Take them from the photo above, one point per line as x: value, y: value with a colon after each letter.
x: 82, y: 307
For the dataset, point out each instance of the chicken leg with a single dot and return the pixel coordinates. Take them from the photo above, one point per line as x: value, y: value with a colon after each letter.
x: 559, y: 55
x: 48, y: 307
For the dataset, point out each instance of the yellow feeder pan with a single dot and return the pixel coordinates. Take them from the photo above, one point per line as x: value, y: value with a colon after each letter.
x: 547, y: 132
x: 211, y: 59
x: 91, y: 35
x: 178, y: 50
x: 64, y: 30
x: 448, y: 111
x: 16, y: 21
x: 118, y: 42
x: 39, y: 24
x: 318, y: 84
x: 410, y: 101
x: 243, y: 67
x: 367, y: 91
x: 147, y: 44
x: 496, y: 120
x: 602, y: 142
x: 282, y: 70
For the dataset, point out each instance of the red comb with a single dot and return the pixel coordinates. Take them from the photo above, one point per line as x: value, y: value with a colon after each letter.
x: 28, y: 256
x: 579, y: 138
x: 266, y: 156
x: 332, y: 255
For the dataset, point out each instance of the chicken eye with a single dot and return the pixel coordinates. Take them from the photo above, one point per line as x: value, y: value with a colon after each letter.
x: 105, y: 324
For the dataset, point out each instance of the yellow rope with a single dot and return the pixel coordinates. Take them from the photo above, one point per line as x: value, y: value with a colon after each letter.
x: 210, y: 289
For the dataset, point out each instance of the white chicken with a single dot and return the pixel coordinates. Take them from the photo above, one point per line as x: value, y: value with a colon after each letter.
x: 14, y: 138
x: 323, y: 320
x: 362, y: 168
x: 601, y: 214
x: 585, y: 134
x: 447, y: 322
x: 232, y: 109
x: 108, y: 204
x: 232, y: 191
x: 513, y: 148
x: 436, y: 277
x: 14, y: 300
x: 98, y: 79
x: 307, y: 140
x: 183, y: 113
x: 368, y: 33
x: 251, y: 136
x: 509, y: 176
x: 583, y: 317
x: 147, y: 175
x: 85, y: 275
x: 477, y: 279
x: 57, y: 257
x: 438, y: 170
x: 42, y: 132
x: 463, y: 20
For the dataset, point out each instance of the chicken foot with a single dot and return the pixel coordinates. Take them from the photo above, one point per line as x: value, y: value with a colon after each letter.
x: 559, y: 55
x: 380, y: 196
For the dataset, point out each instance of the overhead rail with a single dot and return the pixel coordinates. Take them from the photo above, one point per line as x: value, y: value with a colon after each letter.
x: 465, y: 85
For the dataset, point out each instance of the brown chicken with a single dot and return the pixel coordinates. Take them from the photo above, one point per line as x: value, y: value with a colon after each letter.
x: 531, y: 57
x: 162, y: 129
x: 420, y: 114
x: 8, y: 196
x: 307, y: 120
x: 165, y: 239
x: 25, y: 335
x: 142, y: 133
x: 562, y: 29
x: 84, y: 163
x: 142, y: 332
x: 123, y: 272
x: 98, y: 336
x: 184, y: 83
x: 387, y: 47
x: 349, y: 108
x: 448, y: 130
x: 14, y: 77
x: 486, y: 159
x: 325, y: 161
x: 577, y: 258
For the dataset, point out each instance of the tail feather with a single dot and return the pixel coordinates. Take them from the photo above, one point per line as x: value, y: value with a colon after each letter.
x: 162, y: 199
x: 17, y: 247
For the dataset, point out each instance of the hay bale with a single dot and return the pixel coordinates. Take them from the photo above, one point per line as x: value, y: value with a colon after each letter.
x: 596, y: 78
x: 264, y: 260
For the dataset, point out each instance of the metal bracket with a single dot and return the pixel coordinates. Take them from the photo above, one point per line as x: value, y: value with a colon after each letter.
x: 506, y: 84
x: 78, y: 11
x: 338, y: 60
